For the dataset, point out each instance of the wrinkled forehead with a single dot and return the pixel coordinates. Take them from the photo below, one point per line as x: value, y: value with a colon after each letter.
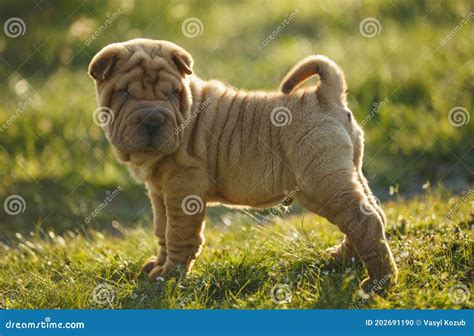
x: 146, y: 70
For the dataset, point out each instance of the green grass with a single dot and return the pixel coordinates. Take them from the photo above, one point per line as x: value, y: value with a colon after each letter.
x: 242, y: 262
x: 60, y: 164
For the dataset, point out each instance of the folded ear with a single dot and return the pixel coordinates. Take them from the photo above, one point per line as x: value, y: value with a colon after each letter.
x: 102, y: 65
x: 183, y: 61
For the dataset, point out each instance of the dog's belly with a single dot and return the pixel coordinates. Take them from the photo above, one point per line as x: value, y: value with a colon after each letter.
x: 248, y: 187
x: 243, y: 201
x: 254, y: 178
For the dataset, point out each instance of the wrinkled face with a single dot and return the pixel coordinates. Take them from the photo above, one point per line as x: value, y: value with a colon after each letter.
x: 143, y: 95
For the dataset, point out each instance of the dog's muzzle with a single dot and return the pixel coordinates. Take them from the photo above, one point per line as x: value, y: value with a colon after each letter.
x: 146, y: 129
x: 151, y: 119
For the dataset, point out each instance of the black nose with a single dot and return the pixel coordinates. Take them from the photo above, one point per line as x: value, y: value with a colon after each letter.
x: 151, y: 126
x: 152, y: 123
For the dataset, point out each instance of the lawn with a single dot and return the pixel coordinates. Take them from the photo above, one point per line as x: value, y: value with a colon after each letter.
x: 248, y: 264
x: 75, y: 227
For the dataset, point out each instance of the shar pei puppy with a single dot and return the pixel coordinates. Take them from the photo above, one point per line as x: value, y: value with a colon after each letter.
x: 194, y: 142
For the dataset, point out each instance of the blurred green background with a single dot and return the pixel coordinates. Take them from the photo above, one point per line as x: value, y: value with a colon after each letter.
x: 403, y: 80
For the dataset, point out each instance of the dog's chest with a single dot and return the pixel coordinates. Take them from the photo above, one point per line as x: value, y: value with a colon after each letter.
x: 141, y: 174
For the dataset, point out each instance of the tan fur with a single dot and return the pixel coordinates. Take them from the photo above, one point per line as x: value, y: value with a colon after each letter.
x: 218, y: 144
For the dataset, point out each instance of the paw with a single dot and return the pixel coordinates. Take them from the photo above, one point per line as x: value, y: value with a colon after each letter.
x: 377, y: 286
x: 151, y: 263
x: 341, y: 254
x: 382, y: 274
x: 156, y: 274
x: 168, y: 270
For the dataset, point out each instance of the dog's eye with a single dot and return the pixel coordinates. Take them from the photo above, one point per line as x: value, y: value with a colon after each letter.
x: 175, y: 94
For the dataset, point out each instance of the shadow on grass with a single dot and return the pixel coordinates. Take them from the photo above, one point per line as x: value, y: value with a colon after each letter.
x: 70, y: 204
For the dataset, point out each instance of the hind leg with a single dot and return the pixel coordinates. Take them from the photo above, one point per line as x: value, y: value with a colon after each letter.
x: 338, y: 198
x: 370, y: 196
x: 345, y: 250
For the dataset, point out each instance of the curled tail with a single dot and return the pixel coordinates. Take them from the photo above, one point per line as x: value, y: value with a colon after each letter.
x: 332, y: 84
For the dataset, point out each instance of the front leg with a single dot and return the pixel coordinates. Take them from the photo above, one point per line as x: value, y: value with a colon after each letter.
x: 159, y: 219
x: 184, y: 233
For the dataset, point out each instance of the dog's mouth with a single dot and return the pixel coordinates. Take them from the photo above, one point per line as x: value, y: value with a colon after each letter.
x: 139, y: 155
x: 139, y: 139
x: 146, y: 131
x: 138, y: 158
